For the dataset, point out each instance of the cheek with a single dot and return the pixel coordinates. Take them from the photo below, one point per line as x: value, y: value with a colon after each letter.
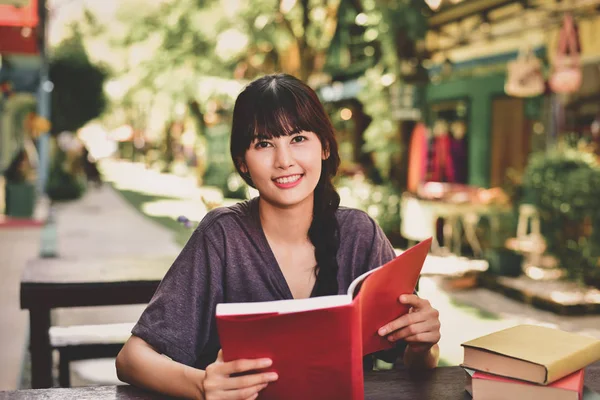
x: 257, y: 164
x: 311, y: 158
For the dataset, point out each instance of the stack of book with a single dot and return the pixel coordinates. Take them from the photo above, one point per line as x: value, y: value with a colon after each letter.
x: 528, y: 362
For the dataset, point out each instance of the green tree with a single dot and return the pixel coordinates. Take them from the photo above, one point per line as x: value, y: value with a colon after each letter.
x: 230, y: 39
x: 78, y: 94
x: 400, y: 29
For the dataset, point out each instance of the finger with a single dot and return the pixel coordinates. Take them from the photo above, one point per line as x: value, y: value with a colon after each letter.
x: 420, y: 347
x: 255, y: 395
x: 220, y: 356
x: 403, y: 321
x: 241, y: 382
x: 414, y: 329
x: 430, y: 338
x: 414, y: 300
x: 240, y: 394
x: 244, y: 365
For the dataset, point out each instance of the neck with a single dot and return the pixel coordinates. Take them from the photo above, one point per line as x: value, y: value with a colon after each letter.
x: 286, y: 225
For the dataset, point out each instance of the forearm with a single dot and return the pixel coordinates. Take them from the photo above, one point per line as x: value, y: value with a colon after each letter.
x: 422, y: 360
x: 140, y: 365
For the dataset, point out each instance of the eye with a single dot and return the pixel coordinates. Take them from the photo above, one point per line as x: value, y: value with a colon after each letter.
x: 262, y: 145
x: 299, y: 139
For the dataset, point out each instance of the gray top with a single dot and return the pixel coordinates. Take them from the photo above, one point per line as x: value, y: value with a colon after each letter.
x: 228, y: 259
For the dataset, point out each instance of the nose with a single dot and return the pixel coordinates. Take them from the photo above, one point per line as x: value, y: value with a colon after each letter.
x: 283, y: 157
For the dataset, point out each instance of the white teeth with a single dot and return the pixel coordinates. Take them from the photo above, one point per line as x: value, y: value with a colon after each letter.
x: 288, y: 179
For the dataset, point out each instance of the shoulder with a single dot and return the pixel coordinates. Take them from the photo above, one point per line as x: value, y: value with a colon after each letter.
x: 355, y: 223
x: 227, y: 221
x: 226, y: 214
x: 363, y: 244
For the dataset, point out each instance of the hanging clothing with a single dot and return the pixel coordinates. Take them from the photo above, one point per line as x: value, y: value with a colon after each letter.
x: 417, y: 157
x: 458, y: 151
x: 443, y: 168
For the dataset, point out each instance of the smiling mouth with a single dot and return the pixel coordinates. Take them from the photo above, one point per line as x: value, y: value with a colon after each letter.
x: 288, y: 179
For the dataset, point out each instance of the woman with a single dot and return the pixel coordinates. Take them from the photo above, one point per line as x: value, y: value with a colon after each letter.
x: 292, y: 241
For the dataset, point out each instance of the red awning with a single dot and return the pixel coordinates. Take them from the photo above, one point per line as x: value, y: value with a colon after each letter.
x: 18, y: 28
x: 17, y: 40
x: 26, y: 16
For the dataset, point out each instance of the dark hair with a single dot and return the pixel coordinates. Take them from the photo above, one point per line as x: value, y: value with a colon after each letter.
x: 277, y: 105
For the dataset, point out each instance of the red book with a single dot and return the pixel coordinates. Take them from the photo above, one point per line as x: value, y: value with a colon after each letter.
x: 317, y: 344
x: 493, y: 387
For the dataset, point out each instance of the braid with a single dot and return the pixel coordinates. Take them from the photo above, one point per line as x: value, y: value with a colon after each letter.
x: 324, y: 235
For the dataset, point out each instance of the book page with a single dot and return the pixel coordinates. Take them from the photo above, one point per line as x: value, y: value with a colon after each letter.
x: 283, y: 306
x: 352, y: 289
x: 378, y: 297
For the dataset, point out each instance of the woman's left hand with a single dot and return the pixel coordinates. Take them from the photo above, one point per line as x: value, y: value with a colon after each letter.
x: 420, y: 328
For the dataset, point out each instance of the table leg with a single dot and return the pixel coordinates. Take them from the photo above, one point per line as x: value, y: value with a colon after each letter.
x: 41, y: 352
x: 470, y: 222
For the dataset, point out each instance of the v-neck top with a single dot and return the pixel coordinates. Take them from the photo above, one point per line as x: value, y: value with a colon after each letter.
x: 228, y: 259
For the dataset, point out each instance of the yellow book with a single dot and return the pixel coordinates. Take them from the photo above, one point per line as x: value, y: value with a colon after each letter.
x: 531, y: 353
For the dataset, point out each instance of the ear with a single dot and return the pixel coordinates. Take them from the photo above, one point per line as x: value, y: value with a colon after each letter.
x: 242, y: 165
x: 326, y: 153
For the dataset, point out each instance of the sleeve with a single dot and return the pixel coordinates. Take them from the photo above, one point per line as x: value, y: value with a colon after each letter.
x: 381, y: 248
x: 179, y: 319
x: 382, y: 252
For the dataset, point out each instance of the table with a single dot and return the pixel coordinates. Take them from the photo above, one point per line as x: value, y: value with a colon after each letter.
x: 52, y: 283
x: 445, y: 383
x: 419, y: 220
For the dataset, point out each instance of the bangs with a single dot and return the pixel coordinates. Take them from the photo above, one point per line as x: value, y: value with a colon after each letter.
x: 279, y: 114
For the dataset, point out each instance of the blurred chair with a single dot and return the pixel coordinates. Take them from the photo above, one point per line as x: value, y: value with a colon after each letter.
x: 417, y: 221
x: 84, y: 342
x: 470, y: 221
x: 529, y: 240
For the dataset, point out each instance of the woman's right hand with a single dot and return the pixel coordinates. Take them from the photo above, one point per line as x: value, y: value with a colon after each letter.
x: 218, y: 383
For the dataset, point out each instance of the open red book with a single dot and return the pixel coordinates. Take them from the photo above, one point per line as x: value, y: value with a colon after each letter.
x: 317, y: 344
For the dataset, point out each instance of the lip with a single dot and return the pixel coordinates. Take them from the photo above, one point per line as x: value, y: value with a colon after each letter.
x: 290, y: 184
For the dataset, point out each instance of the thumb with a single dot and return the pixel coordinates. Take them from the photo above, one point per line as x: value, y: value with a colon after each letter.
x: 220, y: 356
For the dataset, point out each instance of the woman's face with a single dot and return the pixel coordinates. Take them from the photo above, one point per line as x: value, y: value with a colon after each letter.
x: 285, y: 170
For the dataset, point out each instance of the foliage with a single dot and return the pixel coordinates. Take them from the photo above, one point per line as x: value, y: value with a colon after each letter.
x: 399, y: 28
x: 78, y: 94
x: 354, y: 47
x: 63, y: 183
x: 381, y: 136
x: 381, y: 202
x: 188, y: 40
x: 564, y: 185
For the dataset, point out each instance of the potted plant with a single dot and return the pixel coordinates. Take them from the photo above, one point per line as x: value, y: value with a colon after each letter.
x: 66, y: 180
x: 20, y: 193
x: 501, y: 260
x: 565, y: 184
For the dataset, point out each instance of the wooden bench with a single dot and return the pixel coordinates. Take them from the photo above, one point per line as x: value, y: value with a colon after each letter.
x: 83, y: 342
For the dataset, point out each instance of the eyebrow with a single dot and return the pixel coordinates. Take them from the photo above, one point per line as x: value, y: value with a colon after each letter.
x: 265, y: 137
x: 260, y: 137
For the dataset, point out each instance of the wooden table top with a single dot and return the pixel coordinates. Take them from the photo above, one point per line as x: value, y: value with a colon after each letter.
x: 86, y: 282
x: 445, y: 383
x: 81, y: 270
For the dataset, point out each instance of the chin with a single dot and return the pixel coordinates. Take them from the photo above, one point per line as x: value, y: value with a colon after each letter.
x: 290, y: 200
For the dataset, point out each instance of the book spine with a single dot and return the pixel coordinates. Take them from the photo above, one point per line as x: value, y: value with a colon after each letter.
x: 573, y: 362
x: 358, y: 387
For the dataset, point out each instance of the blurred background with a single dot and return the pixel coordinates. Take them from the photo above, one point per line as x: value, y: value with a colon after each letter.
x: 476, y: 122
